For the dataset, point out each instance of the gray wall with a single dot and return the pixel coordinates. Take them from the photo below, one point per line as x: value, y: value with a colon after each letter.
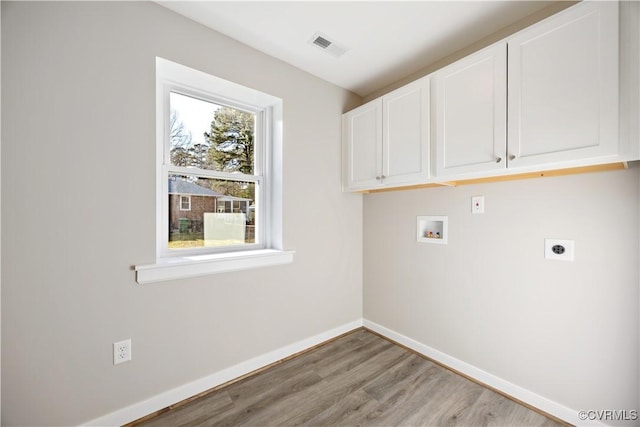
x: 78, y: 210
x: 567, y: 331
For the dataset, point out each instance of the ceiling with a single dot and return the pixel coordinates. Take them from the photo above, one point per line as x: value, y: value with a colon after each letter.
x: 385, y: 41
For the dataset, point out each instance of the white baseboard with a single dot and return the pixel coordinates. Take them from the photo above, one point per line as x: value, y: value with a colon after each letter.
x: 178, y: 394
x: 546, y: 405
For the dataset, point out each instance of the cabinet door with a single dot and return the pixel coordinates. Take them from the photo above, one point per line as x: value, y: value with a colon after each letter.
x: 470, y: 113
x: 362, y: 135
x: 405, y: 126
x: 563, y: 87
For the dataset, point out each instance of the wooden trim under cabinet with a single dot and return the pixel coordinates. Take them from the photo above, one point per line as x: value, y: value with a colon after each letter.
x: 528, y: 175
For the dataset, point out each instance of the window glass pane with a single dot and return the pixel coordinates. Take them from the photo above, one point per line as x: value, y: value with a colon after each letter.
x: 185, y: 203
x: 210, y: 136
x: 222, y: 212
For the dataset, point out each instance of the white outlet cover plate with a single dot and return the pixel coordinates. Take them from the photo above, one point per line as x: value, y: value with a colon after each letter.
x: 121, y: 351
x: 477, y: 204
x: 567, y: 255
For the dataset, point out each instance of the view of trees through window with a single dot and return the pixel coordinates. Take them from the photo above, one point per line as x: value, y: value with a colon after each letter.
x: 209, y: 137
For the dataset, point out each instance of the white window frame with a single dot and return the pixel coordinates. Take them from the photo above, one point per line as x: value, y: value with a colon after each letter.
x: 186, y: 197
x: 170, y: 265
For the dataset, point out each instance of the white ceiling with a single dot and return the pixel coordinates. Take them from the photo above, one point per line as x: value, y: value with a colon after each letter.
x: 386, y: 40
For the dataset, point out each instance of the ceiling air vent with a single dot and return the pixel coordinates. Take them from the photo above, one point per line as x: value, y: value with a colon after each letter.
x: 323, y: 42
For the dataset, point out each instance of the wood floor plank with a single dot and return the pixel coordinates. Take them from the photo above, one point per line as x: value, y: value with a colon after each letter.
x: 195, y: 413
x: 444, y: 403
x: 337, y: 386
x: 344, y: 362
x: 410, y: 398
x: 395, y: 381
x: 359, y: 379
x: 492, y: 409
x: 349, y: 411
x: 254, y: 400
x: 325, y: 359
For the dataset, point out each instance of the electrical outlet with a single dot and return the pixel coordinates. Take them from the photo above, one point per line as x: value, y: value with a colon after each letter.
x: 121, y: 351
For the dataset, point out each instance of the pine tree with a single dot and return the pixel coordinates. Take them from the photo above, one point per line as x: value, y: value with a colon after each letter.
x: 231, y: 141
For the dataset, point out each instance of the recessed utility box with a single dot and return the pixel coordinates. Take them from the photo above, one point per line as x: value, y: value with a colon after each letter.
x: 432, y: 229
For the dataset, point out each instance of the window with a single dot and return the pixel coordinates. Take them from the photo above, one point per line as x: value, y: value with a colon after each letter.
x: 185, y: 203
x: 214, y: 151
x: 219, y: 171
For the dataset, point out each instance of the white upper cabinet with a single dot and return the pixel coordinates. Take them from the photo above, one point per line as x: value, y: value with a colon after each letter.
x: 405, y: 128
x: 563, y: 87
x: 387, y: 140
x: 470, y: 112
x: 362, y: 138
x: 552, y: 103
x: 547, y: 97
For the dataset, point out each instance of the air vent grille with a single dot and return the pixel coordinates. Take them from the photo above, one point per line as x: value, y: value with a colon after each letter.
x: 321, y: 41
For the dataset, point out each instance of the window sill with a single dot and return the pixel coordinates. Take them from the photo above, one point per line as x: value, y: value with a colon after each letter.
x: 201, y: 265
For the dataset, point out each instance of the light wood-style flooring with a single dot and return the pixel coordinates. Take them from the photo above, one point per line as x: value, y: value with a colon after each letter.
x: 359, y: 379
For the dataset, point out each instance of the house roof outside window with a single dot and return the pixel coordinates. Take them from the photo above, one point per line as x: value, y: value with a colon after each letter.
x: 180, y: 186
